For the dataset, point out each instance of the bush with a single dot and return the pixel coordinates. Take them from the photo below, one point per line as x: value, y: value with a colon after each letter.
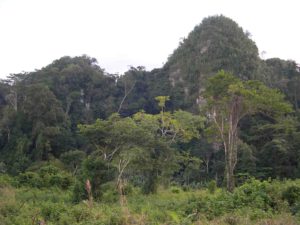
x: 31, y: 179
x: 128, y: 189
x: 79, y: 193
x: 3, y: 167
x: 46, y: 176
x: 109, y: 192
x: 110, y: 196
x: 212, y: 186
x: 151, y: 183
x: 48, y: 170
x: 61, y: 180
x: 10, y: 209
x: 259, y: 198
x: 99, y: 172
x: 52, y: 211
x: 253, y: 193
x: 291, y: 194
x: 6, y: 180
x: 80, y: 213
x: 185, y: 188
x: 175, y: 190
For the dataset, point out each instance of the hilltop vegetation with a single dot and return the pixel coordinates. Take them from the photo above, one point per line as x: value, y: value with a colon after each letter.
x: 95, y: 148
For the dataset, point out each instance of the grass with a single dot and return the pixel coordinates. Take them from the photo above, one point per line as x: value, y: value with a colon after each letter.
x: 26, y: 206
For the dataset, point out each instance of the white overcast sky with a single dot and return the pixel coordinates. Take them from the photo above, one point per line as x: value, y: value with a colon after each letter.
x: 120, y: 33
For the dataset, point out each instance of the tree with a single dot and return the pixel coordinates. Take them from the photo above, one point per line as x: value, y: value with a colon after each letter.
x: 166, y: 128
x: 228, y: 101
x: 73, y: 159
x: 117, y: 142
x: 275, y: 146
x: 142, y: 141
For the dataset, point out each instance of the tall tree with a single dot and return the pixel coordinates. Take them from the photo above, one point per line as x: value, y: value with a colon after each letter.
x: 228, y: 101
x: 143, y: 142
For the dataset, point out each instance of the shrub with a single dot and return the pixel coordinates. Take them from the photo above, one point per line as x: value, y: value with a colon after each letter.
x: 128, y: 189
x: 151, y: 183
x: 212, y: 186
x: 31, y: 179
x: 61, y: 180
x: 99, y: 172
x: 110, y: 196
x: 185, y: 188
x: 175, y: 190
x: 6, y: 180
x: 80, y: 213
x: 109, y: 192
x: 10, y: 209
x: 291, y: 194
x: 3, y: 167
x: 46, y: 176
x: 253, y: 194
x: 48, y: 170
x: 79, y: 192
x: 52, y: 211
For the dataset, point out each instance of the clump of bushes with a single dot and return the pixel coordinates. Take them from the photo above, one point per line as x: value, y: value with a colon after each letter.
x: 259, y: 199
x: 98, y: 172
x: 292, y: 195
x: 175, y: 190
x: 46, y: 176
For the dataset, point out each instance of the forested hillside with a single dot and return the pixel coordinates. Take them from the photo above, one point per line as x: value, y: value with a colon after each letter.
x: 215, y: 106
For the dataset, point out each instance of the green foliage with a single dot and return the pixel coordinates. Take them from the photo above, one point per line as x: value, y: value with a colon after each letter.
x: 2, y: 167
x: 151, y: 183
x: 175, y: 190
x: 110, y: 193
x: 46, y: 176
x: 99, y: 172
x: 66, y: 111
x: 188, y: 166
x: 272, y: 141
x: 218, y: 43
x: 256, y: 97
x: 162, y: 101
x: 73, y: 159
x: 255, y: 202
x: 253, y: 194
x: 284, y: 75
x: 229, y: 100
x: 292, y: 195
x: 6, y: 180
x: 31, y: 179
x: 212, y: 186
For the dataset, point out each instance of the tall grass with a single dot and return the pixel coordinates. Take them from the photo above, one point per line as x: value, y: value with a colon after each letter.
x: 255, y: 202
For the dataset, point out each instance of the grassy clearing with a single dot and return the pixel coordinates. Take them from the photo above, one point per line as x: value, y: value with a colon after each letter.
x: 253, y: 203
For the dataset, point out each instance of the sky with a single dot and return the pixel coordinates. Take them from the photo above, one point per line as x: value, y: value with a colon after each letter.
x: 124, y: 33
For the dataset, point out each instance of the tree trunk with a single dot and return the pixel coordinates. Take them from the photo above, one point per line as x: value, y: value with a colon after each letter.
x: 296, y: 100
x: 229, y: 136
x: 229, y: 170
x: 231, y: 151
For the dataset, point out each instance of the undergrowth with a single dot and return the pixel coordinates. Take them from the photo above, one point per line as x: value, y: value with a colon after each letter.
x: 255, y: 202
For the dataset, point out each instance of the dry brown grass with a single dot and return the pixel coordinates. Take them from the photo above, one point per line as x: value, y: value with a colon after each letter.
x: 283, y: 219
x: 7, y: 195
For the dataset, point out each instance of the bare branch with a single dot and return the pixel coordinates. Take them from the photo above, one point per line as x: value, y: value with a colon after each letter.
x: 125, y: 95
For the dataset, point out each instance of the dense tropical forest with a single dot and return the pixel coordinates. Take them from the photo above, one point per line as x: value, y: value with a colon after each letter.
x: 212, y: 137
